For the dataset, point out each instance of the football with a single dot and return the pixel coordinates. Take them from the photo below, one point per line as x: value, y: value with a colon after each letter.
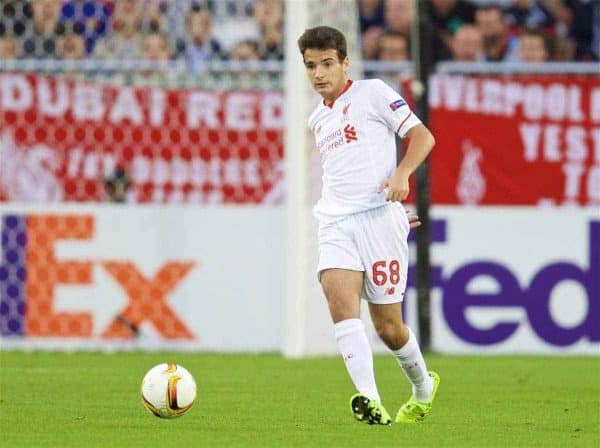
x: 168, y: 390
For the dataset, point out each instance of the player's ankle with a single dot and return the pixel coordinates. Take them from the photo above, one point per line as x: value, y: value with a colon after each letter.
x: 424, y: 392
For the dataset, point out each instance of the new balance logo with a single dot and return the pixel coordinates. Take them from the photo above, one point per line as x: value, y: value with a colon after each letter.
x: 390, y: 291
x: 350, y: 133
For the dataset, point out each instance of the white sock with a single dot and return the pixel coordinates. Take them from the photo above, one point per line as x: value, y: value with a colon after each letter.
x: 358, y: 356
x: 411, y: 360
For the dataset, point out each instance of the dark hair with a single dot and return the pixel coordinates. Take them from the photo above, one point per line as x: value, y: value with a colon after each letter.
x: 323, y: 38
x: 487, y: 7
x: 394, y: 34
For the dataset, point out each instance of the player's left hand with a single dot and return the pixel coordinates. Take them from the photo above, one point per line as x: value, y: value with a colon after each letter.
x: 397, y: 187
x: 413, y: 220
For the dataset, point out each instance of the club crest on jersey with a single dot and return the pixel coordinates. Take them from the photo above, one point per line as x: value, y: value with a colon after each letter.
x: 345, y: 109
x: 397, y: 104
x: 345, y: 116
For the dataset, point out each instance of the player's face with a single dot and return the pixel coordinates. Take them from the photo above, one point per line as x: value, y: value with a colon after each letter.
x: 326, y: 72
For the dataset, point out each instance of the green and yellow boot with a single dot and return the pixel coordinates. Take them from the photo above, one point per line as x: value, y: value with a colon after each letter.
x: 414, y: 411
x: 369, y: 411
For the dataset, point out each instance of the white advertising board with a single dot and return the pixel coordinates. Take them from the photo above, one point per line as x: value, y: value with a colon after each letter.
x: 151, y: 277
x: 516, y: 280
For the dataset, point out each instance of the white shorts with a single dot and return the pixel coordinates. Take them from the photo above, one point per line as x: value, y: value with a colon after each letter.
x: 374, y: 242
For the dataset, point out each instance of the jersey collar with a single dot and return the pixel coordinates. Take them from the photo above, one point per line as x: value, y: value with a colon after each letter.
x: 329, y: 104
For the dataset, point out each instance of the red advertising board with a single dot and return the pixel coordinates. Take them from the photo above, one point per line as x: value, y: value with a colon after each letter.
x: 60, y: 139
x: 515, y: 140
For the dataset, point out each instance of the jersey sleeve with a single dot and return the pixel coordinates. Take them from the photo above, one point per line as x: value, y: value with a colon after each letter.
x: 389, y: 107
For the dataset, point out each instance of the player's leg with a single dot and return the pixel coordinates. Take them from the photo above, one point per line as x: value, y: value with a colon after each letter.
x: 342, y: 289
x: 384, y: 250
x: 400, y: 339
x: 341, y: 274
x: 389, y: 324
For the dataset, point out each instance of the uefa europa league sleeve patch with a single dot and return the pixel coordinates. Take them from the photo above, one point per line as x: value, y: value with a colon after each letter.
x: 397, y: 104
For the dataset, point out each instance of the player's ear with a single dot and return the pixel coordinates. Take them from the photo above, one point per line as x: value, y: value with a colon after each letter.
x: 345, y: 63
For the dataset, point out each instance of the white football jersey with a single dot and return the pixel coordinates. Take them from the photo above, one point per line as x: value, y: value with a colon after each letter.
x: 355, y: 137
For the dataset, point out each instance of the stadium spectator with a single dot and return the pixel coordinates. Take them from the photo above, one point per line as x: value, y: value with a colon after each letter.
x: 40, y: 40
x: 498, y: 44
x: 125, y: 42
x: 9, y: 48
x: 370, y: 13
x: 392, y: 47
x: 199, y: 46
x: 370, y: 42
x: 89, y: 18
x: 398, y: 16
x: 563, y: 49
x: 534, y: 46
x: 271, y: 45
x: 528, y: 14
x: 154, y: 18
x: 467, y: 44
x: 447, y: 16
x: 155, y: 47
x: 268, y: 13
x: 562, y: 14
x: 246, y: 50
x: 71, y: 46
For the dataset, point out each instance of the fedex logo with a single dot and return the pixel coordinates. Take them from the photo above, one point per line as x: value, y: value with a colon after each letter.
x: 30, y: 274
x: 534, y: 296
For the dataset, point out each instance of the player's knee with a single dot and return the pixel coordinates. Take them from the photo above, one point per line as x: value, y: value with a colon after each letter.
x: 384, y: 328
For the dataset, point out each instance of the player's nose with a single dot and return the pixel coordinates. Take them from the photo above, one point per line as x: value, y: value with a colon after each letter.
x: 318, y: 73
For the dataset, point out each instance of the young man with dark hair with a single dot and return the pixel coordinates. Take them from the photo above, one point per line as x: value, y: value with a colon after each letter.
x: 363, y: 229
x: 498, y: 43
x: 534, y: 46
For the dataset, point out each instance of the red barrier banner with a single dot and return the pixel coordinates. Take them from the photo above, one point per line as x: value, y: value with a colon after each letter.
x: 515, y: 140
x: 61, y: 140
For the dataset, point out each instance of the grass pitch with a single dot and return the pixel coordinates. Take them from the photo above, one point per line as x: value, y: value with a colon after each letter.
x: 90, y: 399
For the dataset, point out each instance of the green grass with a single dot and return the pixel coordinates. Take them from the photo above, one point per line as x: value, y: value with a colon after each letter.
x: 91, y: 399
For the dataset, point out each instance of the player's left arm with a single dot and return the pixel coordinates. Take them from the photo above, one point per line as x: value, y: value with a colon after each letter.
x: 421, y: 142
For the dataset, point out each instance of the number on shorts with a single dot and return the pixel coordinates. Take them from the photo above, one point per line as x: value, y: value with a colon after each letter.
x: 380, y: 274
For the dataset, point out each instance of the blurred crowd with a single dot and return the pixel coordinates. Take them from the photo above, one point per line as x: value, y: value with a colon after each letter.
x: 485, y: 30
x: 157, y: 30
x: 203, y: 30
